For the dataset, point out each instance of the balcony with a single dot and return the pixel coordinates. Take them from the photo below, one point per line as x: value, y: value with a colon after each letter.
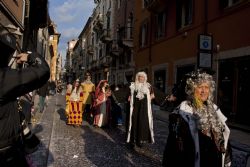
x: 156, y: 6
x: 125, y: 38
x: 90, y: 49
x: 105, y: 61
x: 115, y: 51
x: 106, y: 36
x: 127, y: 42
x: 98, y: 23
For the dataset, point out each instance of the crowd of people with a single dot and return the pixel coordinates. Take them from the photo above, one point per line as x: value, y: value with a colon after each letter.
x: 198, y: 133
x: 96, y: 104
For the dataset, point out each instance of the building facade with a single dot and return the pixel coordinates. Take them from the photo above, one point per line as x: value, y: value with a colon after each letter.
x: 53, y: 41
x: 24, y: 27
x: 11, y: 26
x: 70, y: 75
x: 175, y: 37
x: 122, y: 46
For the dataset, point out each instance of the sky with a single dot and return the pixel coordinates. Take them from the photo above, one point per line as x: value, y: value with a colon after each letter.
x: 70, y: 16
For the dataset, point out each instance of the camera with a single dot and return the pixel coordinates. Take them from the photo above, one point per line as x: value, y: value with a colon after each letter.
x: 30, y: 140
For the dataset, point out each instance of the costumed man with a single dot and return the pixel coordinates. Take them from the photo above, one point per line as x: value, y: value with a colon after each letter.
x: 140, y: 125
x: 88, y: 89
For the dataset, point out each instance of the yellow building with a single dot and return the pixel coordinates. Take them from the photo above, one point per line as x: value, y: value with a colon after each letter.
x: 54, y: 40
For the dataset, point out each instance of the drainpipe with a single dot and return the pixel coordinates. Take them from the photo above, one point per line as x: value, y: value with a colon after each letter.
x: 150, y: 38
x: 206, y: 16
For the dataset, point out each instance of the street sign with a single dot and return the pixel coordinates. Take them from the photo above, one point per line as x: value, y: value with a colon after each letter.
x: 204, y: 60
x: 205, y: 42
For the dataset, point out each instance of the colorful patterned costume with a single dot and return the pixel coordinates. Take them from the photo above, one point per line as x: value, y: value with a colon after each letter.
x: 74, y: 101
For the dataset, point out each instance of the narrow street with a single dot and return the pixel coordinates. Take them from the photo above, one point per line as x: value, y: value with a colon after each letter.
x: 68, y: 146
x: 64, y: 145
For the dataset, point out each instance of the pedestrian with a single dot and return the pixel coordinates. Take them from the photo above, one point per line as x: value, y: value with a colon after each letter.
x: 102, y: 105
x: 43, y: 92
x: 198, y: 134
x: 27, y: 104
x: 116, y: 110
x: 74, y: 99
x: 140, y: 125
x: 52, y: 88
x: 177, y: 95
x: 88, y: 95
x: 15, y: 83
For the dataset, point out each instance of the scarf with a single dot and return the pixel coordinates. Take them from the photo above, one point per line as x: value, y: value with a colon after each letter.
x: 209, y: 124
x: 142, y: 89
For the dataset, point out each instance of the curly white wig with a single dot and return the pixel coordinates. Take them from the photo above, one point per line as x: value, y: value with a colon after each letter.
x: 141, y: 73
x: 196, y: 78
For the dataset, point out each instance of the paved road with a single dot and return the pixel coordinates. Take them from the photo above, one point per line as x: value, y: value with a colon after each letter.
x: 86, y: 146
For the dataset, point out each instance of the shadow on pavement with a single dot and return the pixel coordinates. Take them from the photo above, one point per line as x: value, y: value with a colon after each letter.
x: 109, y: 149
x: 42, y: 157
x: 61, y: 112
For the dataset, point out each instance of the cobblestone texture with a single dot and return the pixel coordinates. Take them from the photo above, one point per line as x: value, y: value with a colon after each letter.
x: 86, y: 146
x: 68, y: 146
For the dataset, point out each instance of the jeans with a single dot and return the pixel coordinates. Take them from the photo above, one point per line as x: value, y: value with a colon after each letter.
x: 41, y: 103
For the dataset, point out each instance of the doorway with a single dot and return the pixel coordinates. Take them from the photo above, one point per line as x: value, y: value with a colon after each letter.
x: 233, y: 89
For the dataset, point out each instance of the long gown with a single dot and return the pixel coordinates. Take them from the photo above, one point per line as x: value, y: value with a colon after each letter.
x: 74, y: 106
x: 102, y: 110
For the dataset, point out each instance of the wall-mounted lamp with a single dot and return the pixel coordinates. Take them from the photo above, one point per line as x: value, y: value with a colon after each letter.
x: 217, y: 48
x: 184, y: 35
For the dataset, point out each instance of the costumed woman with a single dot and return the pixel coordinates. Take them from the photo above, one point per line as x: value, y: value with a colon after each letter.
x: 74, y: 99
x: 140, y: 121
x: 198, y: 134
x: 102, y: 105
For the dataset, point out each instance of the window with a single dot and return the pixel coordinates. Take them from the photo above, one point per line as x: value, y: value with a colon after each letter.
x: 184, y: 13
x: 160, y: 26
x: 16, y: 2
x: 108, y: 20
x: 130, y: 26
x: 145, y: 3
x: 143, y: 40
x: 118, y: 4
x: 228, y: 3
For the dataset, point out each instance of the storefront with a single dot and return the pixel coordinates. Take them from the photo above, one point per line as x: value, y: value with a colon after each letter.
x: 234, y: 89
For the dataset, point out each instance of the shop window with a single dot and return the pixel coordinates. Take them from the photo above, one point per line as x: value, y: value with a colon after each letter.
x: 160, y: 79
x: 228, y: 3
x: 182, y: 71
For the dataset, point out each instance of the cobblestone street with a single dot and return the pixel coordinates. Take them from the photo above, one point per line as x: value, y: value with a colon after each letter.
x: 69, y: 146
x: 64, y: 145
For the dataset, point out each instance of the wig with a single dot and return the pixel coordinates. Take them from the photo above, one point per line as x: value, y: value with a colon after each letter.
x: 141, y: 73
x: 195, y: 79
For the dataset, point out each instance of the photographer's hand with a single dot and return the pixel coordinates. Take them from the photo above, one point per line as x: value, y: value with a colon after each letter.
x: 22, y: 57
